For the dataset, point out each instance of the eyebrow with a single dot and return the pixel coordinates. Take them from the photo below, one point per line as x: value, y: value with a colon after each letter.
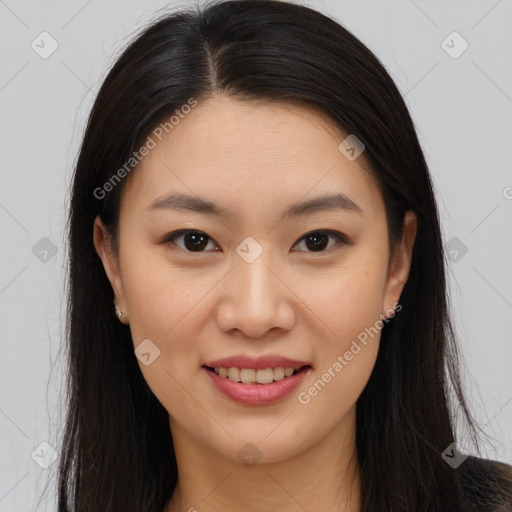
x: 188, y: 203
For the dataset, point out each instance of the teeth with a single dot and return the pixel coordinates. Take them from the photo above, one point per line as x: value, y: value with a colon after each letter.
x: 279, y: 373
x: 265, y: 376
x: 234, y: 374
x: 247, y: 376
x: 250, y: 376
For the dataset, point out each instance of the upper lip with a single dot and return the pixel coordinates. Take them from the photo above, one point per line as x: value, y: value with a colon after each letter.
x: 259, y: 363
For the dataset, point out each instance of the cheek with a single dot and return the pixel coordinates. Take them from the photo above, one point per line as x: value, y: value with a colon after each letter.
x: 350, y: 305
x: 351, y: 299
x: 345, y: 358
x: 163, y: 304
x: 160, y: 298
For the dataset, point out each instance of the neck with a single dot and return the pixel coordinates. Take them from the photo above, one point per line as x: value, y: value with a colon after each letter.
x: 323, y: 477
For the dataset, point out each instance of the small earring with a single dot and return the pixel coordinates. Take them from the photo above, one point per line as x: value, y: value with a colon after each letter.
x: 119, y: 313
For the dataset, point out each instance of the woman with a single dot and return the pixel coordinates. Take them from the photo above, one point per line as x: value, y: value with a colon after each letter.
x: 257, y: 309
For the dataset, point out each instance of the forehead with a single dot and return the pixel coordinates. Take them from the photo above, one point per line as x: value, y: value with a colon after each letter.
x: 241, y: 129
x: 246, y: 151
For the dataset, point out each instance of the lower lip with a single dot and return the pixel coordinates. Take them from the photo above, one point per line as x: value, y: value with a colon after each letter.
x: 257, y: 394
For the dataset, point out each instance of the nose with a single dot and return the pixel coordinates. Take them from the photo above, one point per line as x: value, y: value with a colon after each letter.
x: 255, y: 298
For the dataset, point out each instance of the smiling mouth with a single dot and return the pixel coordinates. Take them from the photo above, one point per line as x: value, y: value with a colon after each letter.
x: 261, y: 376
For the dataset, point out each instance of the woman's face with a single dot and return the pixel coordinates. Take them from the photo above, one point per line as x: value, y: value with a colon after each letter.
x: 245, y: 281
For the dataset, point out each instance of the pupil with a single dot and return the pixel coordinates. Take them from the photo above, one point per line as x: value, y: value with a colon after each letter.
x: 317, y: 244
x: 196, y: 240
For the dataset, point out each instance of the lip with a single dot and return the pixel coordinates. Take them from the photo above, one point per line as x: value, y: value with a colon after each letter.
x: 259, y: 363
x: 257, y: 394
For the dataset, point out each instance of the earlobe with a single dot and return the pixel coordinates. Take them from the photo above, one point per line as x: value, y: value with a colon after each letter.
x: 103, y: 246
x: 400, y: 264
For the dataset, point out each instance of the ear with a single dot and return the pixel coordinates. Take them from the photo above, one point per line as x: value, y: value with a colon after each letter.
x: 400, y: 263
x: 103, y: 245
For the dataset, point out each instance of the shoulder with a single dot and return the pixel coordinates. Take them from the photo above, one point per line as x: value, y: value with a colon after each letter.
x: 488, y: 484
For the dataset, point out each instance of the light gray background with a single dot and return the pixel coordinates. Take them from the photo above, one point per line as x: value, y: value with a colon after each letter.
x: 462, y: 109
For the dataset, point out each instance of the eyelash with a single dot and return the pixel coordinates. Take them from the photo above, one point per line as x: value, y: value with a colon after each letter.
x: 341, y: 239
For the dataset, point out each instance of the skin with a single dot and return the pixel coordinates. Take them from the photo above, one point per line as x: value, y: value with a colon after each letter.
x: 256, y: 158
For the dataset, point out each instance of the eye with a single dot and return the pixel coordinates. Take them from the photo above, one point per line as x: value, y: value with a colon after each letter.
x: 316, y: 240
x: 197, y: 241
x: 193, y: 241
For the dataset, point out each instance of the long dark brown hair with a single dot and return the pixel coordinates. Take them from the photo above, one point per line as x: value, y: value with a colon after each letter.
x: 117, y: 451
